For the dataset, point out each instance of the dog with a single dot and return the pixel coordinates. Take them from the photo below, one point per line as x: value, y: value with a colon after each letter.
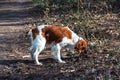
x: 57, y: 37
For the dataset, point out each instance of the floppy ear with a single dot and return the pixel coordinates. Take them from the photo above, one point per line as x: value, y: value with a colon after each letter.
x: 84, y: 43
x: 76, y: 46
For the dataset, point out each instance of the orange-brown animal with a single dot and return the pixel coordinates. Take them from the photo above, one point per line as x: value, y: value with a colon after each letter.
x: 57, y: 37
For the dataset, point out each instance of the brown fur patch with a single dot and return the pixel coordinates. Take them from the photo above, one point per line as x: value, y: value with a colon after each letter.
x: 55, y: 33
x: 81, y: 46
x: 35, y: 32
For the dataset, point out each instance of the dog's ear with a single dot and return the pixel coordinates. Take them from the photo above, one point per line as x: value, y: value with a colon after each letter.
x: 76, y: 46
x: 81, y: 46
x: 84, y: 44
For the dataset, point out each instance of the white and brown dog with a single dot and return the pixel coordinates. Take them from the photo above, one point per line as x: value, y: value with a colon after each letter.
x: 57, y: 37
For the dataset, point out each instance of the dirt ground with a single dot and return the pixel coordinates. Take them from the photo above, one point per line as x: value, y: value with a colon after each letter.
x: 15, y: 63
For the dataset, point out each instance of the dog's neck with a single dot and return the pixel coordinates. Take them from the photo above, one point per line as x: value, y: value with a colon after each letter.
x: 75, y: 38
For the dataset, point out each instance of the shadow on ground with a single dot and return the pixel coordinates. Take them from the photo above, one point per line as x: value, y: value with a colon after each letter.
x: 15, y: 13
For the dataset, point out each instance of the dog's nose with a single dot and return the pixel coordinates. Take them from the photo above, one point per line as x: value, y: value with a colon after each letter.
x: 81, y: 52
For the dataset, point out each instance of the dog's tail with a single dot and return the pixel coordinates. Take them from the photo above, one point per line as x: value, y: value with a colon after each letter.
x: 30, y: 35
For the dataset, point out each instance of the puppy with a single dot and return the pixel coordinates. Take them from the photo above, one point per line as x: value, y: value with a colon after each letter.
x: 57, y: 37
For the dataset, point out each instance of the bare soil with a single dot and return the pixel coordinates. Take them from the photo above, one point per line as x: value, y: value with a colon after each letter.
x: 15, y: 63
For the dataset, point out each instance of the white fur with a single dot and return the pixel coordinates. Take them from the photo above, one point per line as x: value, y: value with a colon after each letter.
x: 38, y: 44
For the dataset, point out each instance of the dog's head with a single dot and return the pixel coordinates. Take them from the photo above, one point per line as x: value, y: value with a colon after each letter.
x: 81, y: 46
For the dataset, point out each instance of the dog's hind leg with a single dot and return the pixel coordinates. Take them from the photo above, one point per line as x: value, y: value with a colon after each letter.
x: 35, y: 53
x: 37, y: 46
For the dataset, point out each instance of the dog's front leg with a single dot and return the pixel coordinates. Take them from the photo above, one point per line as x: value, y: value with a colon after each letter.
x: 56, y: 53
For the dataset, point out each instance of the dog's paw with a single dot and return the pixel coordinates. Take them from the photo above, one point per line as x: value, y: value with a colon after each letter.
x: 62, y: 62
x: 39, y: 64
